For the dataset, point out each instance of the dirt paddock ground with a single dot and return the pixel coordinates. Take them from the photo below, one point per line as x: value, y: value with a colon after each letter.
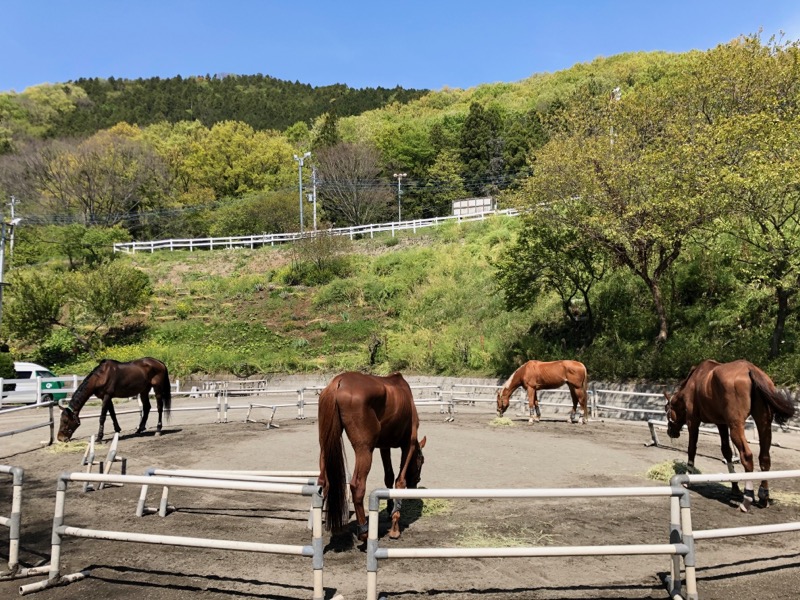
x: 466, y: 453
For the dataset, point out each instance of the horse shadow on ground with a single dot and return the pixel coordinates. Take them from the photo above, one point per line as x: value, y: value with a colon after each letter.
x: 597, y: 592
x: 346, y: 540
x: 145, y: 434
x: 211, y: 583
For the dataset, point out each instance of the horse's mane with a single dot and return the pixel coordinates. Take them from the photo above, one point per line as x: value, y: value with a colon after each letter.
x: 81, y: 393
x: 683, y: 383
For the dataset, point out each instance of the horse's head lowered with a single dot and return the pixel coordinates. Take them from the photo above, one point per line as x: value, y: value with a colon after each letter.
x: 503, y: 400
x: 70, y: 421
x: 676, y: 413
x: 414, y: 473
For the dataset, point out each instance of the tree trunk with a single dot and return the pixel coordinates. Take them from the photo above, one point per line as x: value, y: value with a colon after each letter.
x: 780, y: 321
x: 661, y: 311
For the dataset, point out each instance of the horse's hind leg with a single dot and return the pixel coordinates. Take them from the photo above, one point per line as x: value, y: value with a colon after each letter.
x: 145, y: 398
x: 746, y: 456
x: 727, y: 453
x: 763, y: 421
x: 358, y: 488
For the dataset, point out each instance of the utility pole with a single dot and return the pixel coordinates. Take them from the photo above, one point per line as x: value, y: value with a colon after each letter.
x: 399, y: 177
x: 4, y: 227
x: 300, y: 160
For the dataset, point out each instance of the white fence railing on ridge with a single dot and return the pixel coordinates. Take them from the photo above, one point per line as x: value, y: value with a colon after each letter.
x: 270, y: 239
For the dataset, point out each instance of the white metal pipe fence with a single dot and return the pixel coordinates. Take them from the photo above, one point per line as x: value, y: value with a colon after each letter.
x: 60, y: 530
x: 675, y: 547
x: 14, y: 524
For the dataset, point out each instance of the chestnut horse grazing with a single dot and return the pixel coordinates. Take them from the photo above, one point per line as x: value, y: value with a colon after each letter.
x: 537, y: 375
x: 725, y: 394
x: 375, y: 412
x: 112, y: 379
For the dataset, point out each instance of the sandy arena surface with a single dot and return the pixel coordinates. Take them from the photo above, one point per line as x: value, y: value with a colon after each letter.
x: 466, y: 453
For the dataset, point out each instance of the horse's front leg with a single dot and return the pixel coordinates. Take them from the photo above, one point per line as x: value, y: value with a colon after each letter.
x: 533, y: 406
x: 727, y: 453
x: 694, y: 434
x: 102, y: 421
x: 388, y: 476
x: 746, y: 456
x: 112, y: 413
x: 145, y: 398
x: 358, y: 488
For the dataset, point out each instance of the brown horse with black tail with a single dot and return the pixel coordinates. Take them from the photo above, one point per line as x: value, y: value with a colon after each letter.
x: 375, y: 412
x: 113, y: 379
x: 536, y: 375
x: 725, y: 394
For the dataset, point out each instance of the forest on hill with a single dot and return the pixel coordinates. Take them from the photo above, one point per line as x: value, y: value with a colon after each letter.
x: 659, y: 194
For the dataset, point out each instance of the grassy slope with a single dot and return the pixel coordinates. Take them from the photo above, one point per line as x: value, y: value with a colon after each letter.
x: 428, y: 304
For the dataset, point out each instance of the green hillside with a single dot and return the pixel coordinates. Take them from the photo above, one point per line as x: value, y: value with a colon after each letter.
x: 427, y: 303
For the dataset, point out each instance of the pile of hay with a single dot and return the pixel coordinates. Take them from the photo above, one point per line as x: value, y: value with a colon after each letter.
x: 68, y: 447
x: 664, y: 471
x: 501, y: 422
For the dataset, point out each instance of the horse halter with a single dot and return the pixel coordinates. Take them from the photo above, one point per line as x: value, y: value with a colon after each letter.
x: 72, y: 414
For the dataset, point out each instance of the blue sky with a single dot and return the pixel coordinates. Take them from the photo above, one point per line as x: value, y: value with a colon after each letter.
x: 415, y: 44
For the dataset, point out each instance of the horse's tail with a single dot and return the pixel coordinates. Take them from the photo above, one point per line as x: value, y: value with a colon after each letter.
x: 782, y: 407
x: 165, y: 389
x: 333, y: 473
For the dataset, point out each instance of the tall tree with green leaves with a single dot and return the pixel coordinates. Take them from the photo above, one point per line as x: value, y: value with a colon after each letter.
x: 627, y: 175
x: 481, y: 150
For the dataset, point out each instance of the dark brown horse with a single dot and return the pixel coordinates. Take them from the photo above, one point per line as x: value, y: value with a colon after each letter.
x: 536, y: 375
x: 112, y: 379
x: 724, y: 394
x: 375, y: 412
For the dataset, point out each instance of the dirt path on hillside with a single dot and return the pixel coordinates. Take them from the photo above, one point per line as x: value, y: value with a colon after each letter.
x: 467, y: 453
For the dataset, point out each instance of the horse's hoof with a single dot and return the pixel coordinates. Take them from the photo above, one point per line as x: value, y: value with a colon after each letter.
x: 158, y: 434
x: 394, y: 535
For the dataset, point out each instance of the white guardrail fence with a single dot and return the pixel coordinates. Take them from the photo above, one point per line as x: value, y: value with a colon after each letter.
x: 257, y: 396
x: 270, y: 239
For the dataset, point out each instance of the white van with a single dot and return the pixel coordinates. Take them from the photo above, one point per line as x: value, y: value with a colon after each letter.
x: 24, y: 391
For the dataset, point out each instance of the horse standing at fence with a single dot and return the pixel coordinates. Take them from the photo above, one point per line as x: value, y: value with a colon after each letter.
x: 375, y: 412
x: 113, y: 379
x: 536, y: 375
x: 725, y: 394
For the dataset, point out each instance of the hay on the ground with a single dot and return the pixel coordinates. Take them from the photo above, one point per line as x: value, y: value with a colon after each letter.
x: 67, y: 447
x: 665, y: 470
x: 501, y: 422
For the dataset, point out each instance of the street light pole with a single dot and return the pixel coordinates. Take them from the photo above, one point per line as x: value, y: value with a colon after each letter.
x: 3, y: 230
x: 399, y: 177
x: 314, y: 189
x: 300, y: 160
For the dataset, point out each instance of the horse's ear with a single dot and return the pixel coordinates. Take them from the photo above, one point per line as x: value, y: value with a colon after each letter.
x: 422, y: 442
